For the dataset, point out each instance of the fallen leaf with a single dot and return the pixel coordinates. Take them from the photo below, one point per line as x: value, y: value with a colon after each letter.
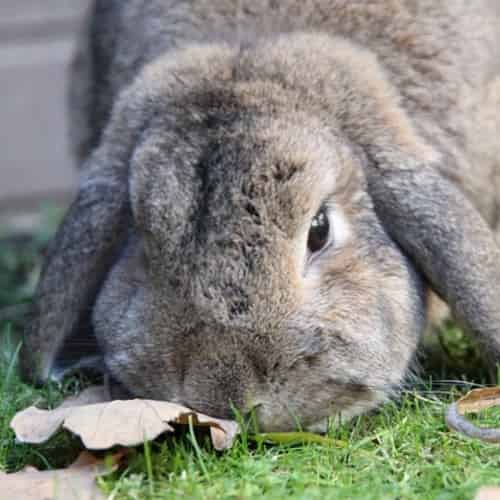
x: 102, y: 424
x: 488, y: 493
x: 479, y: 399
x: 473, y: 402
x: 77, y: 482
x: 36, y: 426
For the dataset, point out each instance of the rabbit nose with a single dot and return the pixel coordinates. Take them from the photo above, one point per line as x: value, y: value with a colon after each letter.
x: 221, y: 367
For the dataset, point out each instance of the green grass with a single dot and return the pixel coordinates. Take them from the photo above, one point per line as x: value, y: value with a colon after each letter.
x: 402, y: 451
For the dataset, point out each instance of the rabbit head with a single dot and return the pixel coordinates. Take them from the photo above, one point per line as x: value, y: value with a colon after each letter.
x: 254, y: 232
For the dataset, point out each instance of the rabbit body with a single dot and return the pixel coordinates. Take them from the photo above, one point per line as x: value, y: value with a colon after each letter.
x: 210, y: 134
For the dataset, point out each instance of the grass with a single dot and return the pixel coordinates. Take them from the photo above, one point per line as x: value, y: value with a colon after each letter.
x: 402, y: 451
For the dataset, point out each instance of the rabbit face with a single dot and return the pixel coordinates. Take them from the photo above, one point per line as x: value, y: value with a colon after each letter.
x: 256, y: 274
x: 252, y: 232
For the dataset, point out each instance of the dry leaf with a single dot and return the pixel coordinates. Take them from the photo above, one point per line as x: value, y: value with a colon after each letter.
x: 77, y: 482
x: 102, y: 424
x: 488, y: 493
x: 473, y: 402
x: 37, y: 426
x: 479, y: 399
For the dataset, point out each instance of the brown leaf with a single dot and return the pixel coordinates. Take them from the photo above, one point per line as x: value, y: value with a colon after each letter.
x: 35, y: 426
x: 102, y: 424
x: 77, y: 482
x: 474, y: 401
x: 479, y: 399
x: 488, y: 493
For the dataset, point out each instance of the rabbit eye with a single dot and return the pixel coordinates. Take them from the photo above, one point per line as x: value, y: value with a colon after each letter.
x: 319, y: 231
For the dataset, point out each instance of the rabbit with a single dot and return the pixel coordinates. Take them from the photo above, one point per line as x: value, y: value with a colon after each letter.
x: 269, y: 194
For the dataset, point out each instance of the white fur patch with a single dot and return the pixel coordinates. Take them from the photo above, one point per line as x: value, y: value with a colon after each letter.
x: 340, y: 227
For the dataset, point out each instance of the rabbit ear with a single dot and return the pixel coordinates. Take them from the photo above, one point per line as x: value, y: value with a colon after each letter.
x: 84, y: 248
x: 430, y: 218
x: 438, y: 227
x: 79, y: 256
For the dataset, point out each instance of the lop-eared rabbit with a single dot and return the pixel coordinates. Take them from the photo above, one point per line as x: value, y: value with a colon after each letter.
x: 270, y: 191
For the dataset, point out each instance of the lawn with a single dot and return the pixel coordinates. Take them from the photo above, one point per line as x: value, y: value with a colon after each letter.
x: 402, y: 451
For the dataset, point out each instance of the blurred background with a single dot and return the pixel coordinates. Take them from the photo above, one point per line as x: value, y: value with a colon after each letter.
x: 37, y: 173
x: 37, y: 38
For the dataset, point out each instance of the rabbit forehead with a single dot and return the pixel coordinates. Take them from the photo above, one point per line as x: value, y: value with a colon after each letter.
x: 261, y: 170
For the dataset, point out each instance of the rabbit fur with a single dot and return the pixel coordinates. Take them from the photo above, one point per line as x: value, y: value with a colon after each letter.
x: 209, y: 133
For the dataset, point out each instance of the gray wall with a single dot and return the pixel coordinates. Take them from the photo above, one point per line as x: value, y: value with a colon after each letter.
x: 36, y: 42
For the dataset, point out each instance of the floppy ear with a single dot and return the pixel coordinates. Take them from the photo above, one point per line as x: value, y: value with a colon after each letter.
x: 449, y: 241
x: 430, y: 218
x: 439, y: 228
x: 79, y: 257
x: 77, y: 261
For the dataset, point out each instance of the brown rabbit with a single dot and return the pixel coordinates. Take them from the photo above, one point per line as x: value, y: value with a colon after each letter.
x: 268, y: 190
